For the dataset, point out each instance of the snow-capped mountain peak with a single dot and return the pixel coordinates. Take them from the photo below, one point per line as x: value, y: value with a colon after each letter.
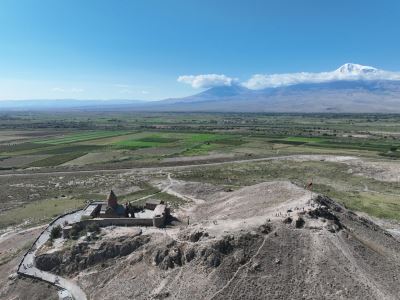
x: 355, y: 69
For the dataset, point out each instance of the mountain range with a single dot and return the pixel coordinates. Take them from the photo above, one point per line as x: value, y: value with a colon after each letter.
x: 351, y: 88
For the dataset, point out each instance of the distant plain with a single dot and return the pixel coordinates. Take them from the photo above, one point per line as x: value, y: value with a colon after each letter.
x: 65, y: 159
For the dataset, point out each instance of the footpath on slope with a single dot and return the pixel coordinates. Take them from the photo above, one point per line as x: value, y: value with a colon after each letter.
x: 27, y: 266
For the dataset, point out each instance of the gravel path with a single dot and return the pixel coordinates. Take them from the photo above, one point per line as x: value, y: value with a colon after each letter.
x: 27, y: 266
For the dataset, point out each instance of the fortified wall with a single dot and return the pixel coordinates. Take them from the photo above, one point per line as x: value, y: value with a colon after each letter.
x: 110, y: 213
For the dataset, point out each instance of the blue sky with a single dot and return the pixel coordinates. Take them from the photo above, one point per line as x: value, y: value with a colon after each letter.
x: 120, y: 49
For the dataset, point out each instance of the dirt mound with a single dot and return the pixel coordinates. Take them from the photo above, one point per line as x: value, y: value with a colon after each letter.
x: 256, y: 200
x: 246, y: 207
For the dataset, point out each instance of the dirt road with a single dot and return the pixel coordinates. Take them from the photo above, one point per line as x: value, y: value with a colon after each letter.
x: 166, y: 168
x: 379, y: 169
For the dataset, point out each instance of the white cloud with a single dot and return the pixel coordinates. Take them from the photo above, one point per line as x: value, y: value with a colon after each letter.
x: 345, y: 72
x: 207, y: 80
x: 262, y: 81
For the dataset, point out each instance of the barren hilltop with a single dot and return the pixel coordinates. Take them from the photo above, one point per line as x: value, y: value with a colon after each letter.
x: 272, y: 240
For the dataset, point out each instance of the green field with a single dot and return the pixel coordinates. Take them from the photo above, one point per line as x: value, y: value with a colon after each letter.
x: 56, y: 160
x: 185, y: 140
x: 27, y: 146
x: 68, y: 147
x: 124, y: 140
x: 137, y: 144
x: 180, y: 143
x: 333, y: 142
x: 80, y: 137
x: 176, y: 135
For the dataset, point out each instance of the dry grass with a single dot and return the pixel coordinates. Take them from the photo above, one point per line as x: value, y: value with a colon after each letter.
x: 39, y: 212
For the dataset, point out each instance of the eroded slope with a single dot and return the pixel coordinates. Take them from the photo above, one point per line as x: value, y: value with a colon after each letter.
x: 264, y: 241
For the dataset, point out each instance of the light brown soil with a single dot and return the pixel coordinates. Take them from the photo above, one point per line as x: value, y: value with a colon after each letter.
x: 359, y: 261
x: 241, y: 245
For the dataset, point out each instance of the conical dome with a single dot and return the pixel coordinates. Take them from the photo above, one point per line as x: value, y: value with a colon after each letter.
x: 112, y: 199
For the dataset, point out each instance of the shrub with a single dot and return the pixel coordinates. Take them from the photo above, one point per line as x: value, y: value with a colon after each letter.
x: 93, y: 227
x: 55, y: 232
x: 49, y: 243
x: 300, y: 222
x: 75, y: 232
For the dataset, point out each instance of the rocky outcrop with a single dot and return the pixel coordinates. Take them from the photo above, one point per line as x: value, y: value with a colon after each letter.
x: 49, y: 262
x: 209, y: 253
x: 168, y: 257
x: 83, y: 255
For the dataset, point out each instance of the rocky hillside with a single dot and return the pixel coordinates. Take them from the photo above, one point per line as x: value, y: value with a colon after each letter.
x: 301, y: 249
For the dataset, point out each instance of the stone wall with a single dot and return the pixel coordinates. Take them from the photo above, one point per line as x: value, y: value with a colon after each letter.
x: 119, y: 222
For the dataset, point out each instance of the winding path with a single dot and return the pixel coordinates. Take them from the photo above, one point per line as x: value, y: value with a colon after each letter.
x: 162, y: 191
x: 168, y: 189
x: 27, y: 266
